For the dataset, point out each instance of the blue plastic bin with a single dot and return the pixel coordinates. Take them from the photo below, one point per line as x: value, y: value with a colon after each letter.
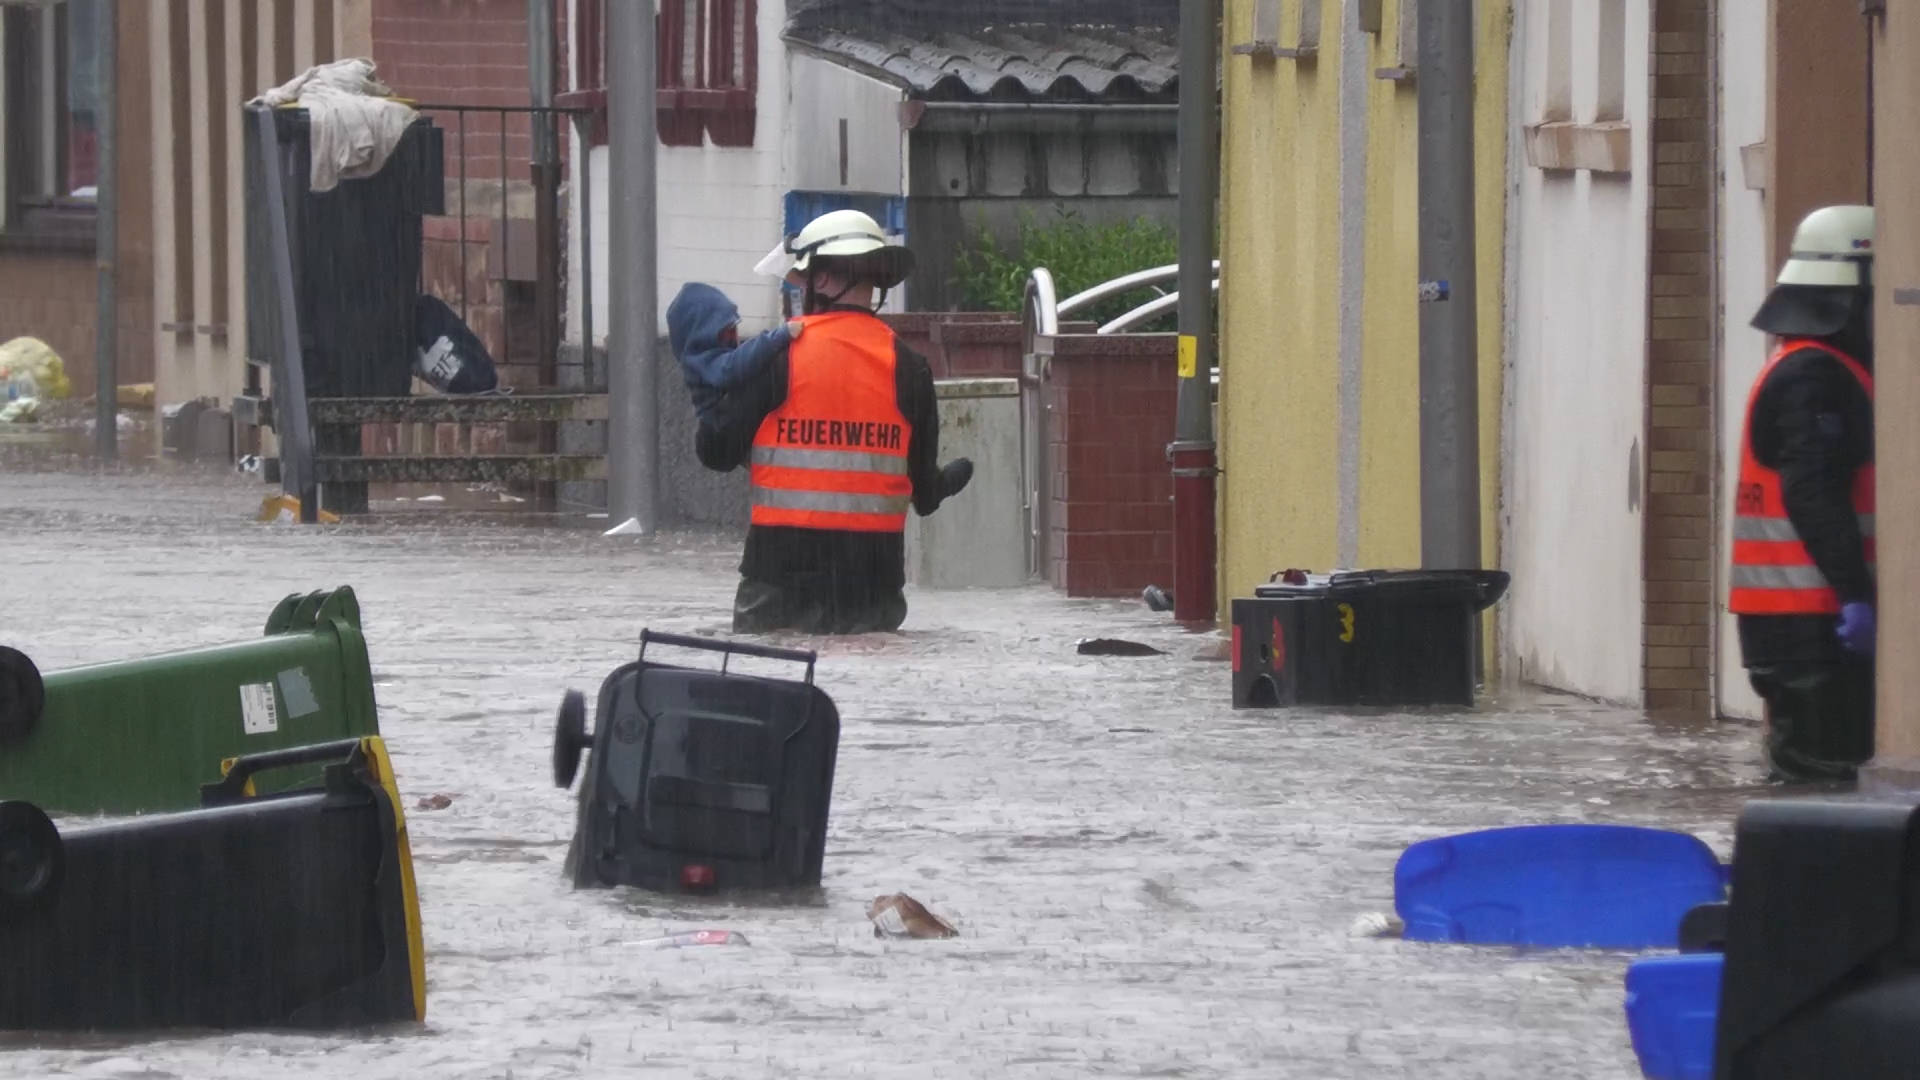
x: 1673, y: 1003
x: 1556, y: 886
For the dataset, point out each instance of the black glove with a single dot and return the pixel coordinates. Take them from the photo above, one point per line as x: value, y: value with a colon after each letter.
x: 954, y: 476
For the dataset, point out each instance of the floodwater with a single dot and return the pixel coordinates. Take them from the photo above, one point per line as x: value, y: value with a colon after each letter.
x: 1146, y: 882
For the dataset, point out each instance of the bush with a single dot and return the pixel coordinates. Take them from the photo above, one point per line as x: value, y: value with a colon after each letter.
x: 1078, y: 253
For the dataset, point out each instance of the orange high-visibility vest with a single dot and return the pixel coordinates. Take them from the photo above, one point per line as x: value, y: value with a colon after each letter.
x: 1773, y: 573
x: 834, y: 454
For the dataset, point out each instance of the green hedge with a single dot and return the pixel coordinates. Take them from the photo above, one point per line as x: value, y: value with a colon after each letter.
x: 1079, y: 254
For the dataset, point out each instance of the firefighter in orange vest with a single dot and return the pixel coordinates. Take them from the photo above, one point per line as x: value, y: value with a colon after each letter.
x: 842, y: 437
x: 1802, y: 580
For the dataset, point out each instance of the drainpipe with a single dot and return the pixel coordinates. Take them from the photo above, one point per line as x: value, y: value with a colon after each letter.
x: 107, y: 238
x: 1192, y: 451
x: 1449, y: 346
x: 633, y: 412
x: 545, y: 169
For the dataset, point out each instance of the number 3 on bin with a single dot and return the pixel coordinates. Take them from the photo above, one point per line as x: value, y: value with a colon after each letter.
x: 1346, y: 622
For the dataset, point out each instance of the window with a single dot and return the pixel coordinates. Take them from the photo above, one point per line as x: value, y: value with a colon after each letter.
x: 707, y: 57
x: 51, y: 85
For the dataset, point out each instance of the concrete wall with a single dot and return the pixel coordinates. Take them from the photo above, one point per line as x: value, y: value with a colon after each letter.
x: 979, y: 540
x: 873, y: 157
x: 719, y: 207
x: 690, y: 494
x: 1745, y: 275
x: 1319, y: 346
x: 1000, y: 173
x: 1575, y: 471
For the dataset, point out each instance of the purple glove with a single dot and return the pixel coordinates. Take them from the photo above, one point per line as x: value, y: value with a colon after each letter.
x: 1856, y: 628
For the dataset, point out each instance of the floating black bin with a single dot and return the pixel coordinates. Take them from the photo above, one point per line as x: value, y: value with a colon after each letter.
x: 286, y: 910
x: 700, y: 779
x: 1822, y: 968
x: 1372, y: 637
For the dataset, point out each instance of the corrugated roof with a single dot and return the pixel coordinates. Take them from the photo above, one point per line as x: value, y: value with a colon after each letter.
x: 965, y: 57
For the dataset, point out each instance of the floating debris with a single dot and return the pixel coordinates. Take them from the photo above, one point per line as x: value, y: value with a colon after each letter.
x: 901, y: 916
x: 1376, y: 924
x: 1116, y: 647
x: 693, y: 938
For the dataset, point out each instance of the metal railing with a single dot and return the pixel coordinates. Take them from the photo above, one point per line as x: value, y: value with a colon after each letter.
x: 1040, y: 311
x: 544, y: 125
x: 302, y: 441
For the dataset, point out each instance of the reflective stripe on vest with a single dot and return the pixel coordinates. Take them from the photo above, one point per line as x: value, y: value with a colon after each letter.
x: 833, y: 502
x: 834, y: 454
x: 781, y: 457
x: 1773, y: 573
x: 1781, y: 529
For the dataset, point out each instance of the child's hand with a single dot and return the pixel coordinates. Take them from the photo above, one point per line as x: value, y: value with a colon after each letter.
x: 794, y: 326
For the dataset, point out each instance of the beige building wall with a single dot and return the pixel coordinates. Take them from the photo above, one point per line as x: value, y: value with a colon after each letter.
x: 1897, y: 385
x: 207, y: 57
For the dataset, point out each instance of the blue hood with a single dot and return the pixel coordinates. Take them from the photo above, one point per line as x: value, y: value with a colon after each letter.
x: 696, y: 319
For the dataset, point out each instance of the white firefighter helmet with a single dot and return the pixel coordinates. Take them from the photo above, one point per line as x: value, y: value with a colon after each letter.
x: 840, y: 234
x: 1830, y: 248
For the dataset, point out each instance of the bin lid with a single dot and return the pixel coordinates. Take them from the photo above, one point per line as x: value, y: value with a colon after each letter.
x: 1481, y: 588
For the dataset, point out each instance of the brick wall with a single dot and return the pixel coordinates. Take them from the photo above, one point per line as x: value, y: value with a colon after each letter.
x: 1110, y: 417
x: 1682, y: 313
x: 472, y: 52
x: 465, y: 52
x: 50, y: 296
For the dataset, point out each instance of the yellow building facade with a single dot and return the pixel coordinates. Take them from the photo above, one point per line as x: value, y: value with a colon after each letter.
x: 1319, y: 351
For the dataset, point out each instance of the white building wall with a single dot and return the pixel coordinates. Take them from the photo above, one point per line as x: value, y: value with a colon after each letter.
x: 1744, y: 279
x: 867, y: 110
x: 1576, y: 454
x: 719, y: 208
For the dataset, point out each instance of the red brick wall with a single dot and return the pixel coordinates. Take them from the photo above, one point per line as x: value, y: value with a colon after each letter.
x: 473, y: 52
x: 465, y: 52
x: 968, y: 344
x: 1111, y: 415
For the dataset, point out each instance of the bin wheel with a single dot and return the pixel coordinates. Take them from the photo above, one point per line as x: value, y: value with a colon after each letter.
x: 569, y: 738
x: 23, y: 697
x: 32, y: 858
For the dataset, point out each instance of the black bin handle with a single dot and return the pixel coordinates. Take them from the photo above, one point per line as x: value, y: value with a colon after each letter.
x: 233, y: 785
x: 728, y: 649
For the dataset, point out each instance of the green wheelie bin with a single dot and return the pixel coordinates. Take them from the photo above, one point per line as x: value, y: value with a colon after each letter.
x: 144, y: 735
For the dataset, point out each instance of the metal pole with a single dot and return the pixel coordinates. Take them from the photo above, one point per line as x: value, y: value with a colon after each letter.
x: 632, y: 429
x: 287, y: 363
x: 107, y: 237
x: 1192, y: 452
x: 1449, y: 345
x: 545, y: 169
x: 541, y: 45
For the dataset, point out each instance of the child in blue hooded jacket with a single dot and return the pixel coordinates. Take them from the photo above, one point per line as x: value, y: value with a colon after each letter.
x: 703, y: 327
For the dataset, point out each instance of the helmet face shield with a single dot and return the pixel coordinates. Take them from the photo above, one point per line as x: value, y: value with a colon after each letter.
x: 778, y: 263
